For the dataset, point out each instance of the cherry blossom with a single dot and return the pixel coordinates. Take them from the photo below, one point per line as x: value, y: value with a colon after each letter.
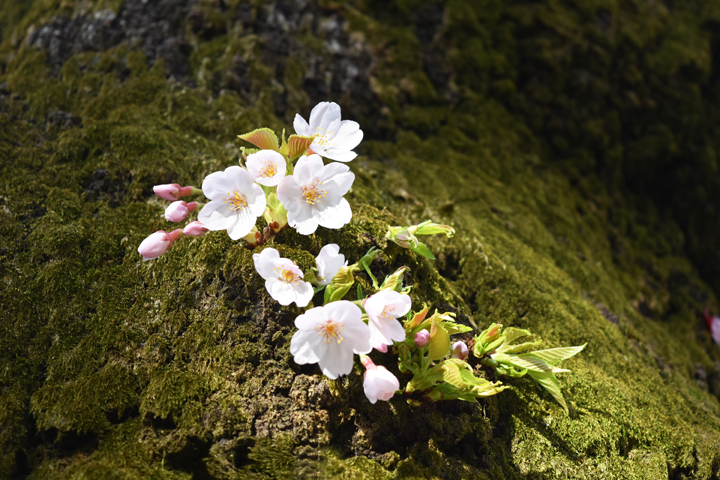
x: 379, y: 383
x: 336, y: 138
x: 283, y: 279
x: 266, y: 167
x: 313, y: 195
x: 422, y: 338
x: 383, y: 309
x: 329, y: 336
x: 158, y: 243
x: 178, y: 211
x: 329, y: 262
x: 172, y: 191
x: 459, y: 350
x: 195, y: 229
x: 236, y: 202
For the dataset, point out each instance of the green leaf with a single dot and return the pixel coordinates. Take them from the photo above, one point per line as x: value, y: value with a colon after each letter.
x: 451, y: 375
x: 525, y: 361
x: 439, y: 345
x: 453, y: 328
x: 298, y: 145
x: 426, y: 228
x: 417, y: 319
x: 263, y: 138
x: 340, y: 284
x: 284, y: 149
x: 521, y: 347
x: 423, y: 250
x: 550, y: 383
x: 511, y: 371
x: 553, y: 356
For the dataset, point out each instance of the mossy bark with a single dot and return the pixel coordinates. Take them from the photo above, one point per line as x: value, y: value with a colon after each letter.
x: 508, y: 122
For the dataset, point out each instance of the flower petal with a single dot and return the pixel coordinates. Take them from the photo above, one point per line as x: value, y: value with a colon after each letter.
x: 307, y: 169
x: 303, y: 293
x: 256, y: 200
x: 245, y: 223
x: 311, y: 319
x: 334, y: 213
x: 331, y: 115
x: 301, y: 126
x: 282, y: 292
x: 337, y: 361
x: 316, y: 116
x: 265, y: 262
x: 305, y: 347
x: 217, y: 216
x: 240, y: 178
x: 339, y: 184
x: 216, y: 186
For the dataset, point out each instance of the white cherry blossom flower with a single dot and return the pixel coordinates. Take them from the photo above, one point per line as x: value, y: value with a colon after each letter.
x: 378, y: 383
x: 329, y: 262
x: 236, y: 202
x: 383, y: 309
x: 313, y: 195
x: 266, y: 167
x: 336, y: 138
x: 329, y: 336
x: 283, y: 279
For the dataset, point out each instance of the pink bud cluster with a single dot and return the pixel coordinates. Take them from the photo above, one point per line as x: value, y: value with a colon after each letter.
x: 160, y: 242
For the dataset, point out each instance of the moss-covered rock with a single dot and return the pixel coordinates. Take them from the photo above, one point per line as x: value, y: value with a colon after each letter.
x: 521, y: 125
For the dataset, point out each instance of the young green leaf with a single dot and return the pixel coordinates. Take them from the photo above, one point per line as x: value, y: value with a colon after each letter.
x: 550, y: 383
x: 298, y: 145
x: 439, y: 345
x: 263, y: 138
x: 553, y: 356
x: 453, y: 328
x: 423, y: 250
x: 526, y: 361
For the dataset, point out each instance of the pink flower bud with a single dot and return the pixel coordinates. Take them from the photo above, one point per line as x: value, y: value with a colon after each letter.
x: 169, y: 191
x: 715, y: 329
x: 177, y: 211
x: 158, y: 243
x: 379, y: 383
x: 459, y: 350
x: 422, y: 338
x: 186, y: 191
x: 195, y: 229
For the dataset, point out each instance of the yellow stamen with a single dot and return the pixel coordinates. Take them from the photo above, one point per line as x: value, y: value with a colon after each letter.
x: 236, y: 200
x: 288, y: 276
x: 312, y: 193
x: 269, y: 170
x: 330, y: 331
x: 326, y: 139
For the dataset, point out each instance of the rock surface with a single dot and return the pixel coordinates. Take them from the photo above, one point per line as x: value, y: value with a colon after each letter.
x: 572, y: 147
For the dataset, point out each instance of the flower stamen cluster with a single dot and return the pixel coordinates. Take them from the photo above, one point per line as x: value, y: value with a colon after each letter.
x: 312, y: 193
x: 330, y: 331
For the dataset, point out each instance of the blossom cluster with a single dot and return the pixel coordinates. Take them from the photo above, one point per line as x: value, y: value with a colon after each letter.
x: 305, y: 195
x: 289, y: 185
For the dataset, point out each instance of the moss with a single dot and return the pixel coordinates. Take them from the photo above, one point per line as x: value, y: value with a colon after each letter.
x: 179, y: 367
